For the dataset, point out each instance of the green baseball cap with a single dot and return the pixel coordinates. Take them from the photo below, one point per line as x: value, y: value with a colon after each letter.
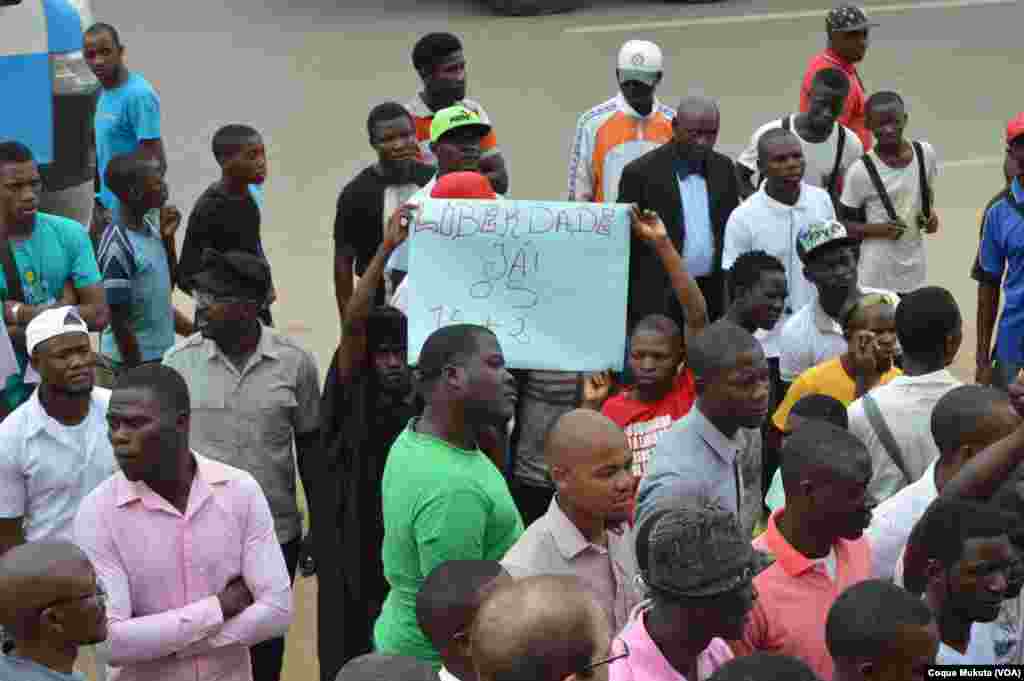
x: 453, y: 117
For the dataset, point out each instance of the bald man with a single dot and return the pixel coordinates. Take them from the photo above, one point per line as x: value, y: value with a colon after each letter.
x: 52, y: 603
x: 694, y: 190
x: 541, y: 629
x: 585, y: 532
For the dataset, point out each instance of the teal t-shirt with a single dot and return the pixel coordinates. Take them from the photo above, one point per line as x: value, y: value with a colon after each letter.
x: 440, y: 503
x: 58, y: 250
x: 136, y: 274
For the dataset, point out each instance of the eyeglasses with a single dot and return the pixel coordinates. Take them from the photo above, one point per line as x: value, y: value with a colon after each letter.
x: 600, y: 663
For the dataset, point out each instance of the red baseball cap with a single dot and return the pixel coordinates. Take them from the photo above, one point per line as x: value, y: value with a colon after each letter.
x: 463, y: 185
x: 1015, y: 128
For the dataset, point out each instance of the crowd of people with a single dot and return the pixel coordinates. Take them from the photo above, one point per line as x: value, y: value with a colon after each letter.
x: 785, y: 481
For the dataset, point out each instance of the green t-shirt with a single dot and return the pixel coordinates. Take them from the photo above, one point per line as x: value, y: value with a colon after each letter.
x: 440, y: 503
x: 58, y: 250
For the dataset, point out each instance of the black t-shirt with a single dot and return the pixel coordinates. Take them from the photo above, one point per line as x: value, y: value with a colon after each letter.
x: 223, y: 222
x: 359, y: 219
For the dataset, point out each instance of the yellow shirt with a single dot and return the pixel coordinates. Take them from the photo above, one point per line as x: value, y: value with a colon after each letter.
x: 828, y: 378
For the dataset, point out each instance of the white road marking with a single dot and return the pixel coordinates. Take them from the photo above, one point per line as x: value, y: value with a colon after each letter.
x: 774, y: 16
x: 973, y: 162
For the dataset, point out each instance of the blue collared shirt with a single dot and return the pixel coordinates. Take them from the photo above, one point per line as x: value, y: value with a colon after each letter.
x: 695, y: 459
x: 698, y: 243
x: 1001, y: 246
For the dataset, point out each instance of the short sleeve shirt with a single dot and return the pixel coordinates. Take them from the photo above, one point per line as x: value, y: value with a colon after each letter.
x: 795, y: 594
x: 136, y: 274
x: 898, y: 265
x: 221, y: 221
x: 125, y: 116
x: 47, y: 469
x: 364, y: 206
x: 854, y: 115
x: 1002, y: 244
x: 645, y: 422
x: 440, y: 503
x: 249, y: 419
x: 57, y: 251
x: 828, y: 378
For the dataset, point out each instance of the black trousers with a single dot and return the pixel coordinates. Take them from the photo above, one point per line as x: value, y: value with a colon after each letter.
x: 267, y: 657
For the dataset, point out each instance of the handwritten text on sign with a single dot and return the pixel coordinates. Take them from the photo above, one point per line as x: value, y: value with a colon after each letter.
x: 549, y: 278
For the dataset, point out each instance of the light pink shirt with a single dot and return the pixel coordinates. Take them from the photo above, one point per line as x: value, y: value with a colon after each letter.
x: 646, y: 662
x: 163, y: 571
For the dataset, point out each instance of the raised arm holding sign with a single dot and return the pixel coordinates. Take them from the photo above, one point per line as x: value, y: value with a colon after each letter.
x: 549, y: 278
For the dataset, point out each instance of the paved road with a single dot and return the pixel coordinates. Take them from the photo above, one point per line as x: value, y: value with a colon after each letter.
x: 306, y: 72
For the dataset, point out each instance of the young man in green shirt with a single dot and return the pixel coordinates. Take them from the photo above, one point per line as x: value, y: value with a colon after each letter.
x: 443, y: 498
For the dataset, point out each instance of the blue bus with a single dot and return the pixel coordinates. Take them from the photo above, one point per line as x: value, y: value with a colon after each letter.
x: 49, y: 97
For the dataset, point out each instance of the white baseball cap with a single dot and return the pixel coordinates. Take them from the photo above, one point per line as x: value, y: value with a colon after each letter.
x: 50, y: 323
x: 640, y: 60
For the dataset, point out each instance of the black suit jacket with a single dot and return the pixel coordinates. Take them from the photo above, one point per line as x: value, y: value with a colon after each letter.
x: 650, y: 182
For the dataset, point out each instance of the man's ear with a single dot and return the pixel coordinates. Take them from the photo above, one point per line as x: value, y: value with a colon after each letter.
x: 558, y: 474
x: 50, y: 619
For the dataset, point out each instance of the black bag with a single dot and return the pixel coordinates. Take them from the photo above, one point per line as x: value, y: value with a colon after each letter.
x: 883, y: 195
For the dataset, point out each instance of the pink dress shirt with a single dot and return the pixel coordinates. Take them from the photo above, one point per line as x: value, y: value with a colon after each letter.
x: 646, y: 662
x: 163, y: 571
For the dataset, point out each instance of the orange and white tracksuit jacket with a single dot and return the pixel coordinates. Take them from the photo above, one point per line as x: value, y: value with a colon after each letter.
x: 607, y: 138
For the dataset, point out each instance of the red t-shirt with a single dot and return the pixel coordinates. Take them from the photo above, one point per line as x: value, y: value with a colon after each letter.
x: 644, y: 422
x: 854, y: 114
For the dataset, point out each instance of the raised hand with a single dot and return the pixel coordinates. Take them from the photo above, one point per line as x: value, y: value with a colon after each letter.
x: 647, y: 226
x: 596, y: 388
x: 397, y: 229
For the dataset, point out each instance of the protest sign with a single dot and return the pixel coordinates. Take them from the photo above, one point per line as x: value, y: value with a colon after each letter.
x: 549, y: 278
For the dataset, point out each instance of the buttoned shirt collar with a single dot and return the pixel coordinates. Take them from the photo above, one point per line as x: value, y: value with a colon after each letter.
x: 40, y: 421
x: 265, y: 348
x: 725, y: 447
x: 209, y: 474
x: 566, y: 536
x: 777, y: 206
x: 789, y: 559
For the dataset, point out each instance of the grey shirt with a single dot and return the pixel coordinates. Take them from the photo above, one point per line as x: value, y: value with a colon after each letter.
x: 694, y: 459
x: 553, y: 545
x: 249, y: 419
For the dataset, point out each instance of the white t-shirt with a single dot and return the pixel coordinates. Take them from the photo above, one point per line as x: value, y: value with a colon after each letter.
x: 820, y: 156
x: 897, y: 264
x: 981, y: 649
x: 46, y: 471
x: 762, y: 223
